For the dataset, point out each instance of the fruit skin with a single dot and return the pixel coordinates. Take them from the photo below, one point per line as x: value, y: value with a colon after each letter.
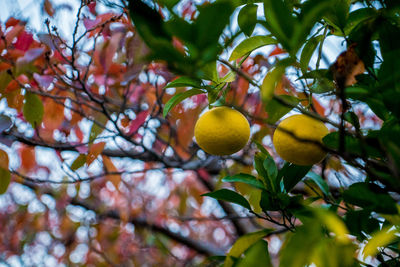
x: 294, y: 150
x: 222, y: 131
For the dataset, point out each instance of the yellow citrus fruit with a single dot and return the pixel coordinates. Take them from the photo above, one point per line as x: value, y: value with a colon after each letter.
x: 222, y: 131
x: 300, y: 147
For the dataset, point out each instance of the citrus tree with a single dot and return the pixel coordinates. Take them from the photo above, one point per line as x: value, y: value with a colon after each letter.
x: 109, y: 160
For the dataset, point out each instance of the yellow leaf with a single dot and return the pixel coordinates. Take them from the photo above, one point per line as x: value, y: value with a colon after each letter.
x: 380, y: 239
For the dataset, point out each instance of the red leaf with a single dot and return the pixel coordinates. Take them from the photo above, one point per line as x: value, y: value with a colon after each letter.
x: 24, y: 41
x: 136, y: 123
x: 12, y: 22
x: 90, y: 23
x: 277, y: 51
x: 94, y: 152
x: 4, y: 66
x: 92, y: 7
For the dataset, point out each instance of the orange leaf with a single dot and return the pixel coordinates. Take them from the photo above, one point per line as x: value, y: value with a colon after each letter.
x: 48, y: 7
x: 28, y: 158
x: 110, y: 167
x: 94, y: 152
x: 53, y: 114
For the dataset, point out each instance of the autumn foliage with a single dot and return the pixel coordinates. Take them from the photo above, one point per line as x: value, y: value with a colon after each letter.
x: 98, y: 161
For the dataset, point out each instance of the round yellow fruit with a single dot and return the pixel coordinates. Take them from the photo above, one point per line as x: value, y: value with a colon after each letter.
x: 222, y: 131
x: 301, y: 147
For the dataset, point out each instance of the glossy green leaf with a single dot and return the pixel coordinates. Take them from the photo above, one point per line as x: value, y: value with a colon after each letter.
x: 176, y: 99
x: 360, y: 223
x: 208, y: 28
x: 311, y: 12
x: 338, y: 14
x: 354, y: 145
x: 33, y: 109
x: 244, y: 178
x: 256, y: 255
x: 5, y: 178
x: 322, y: 184
x: 269, y: 202
x: 184, y: 82
x: 148, y: 23
x: 272, y: 171
x: 276, y: 108
x: 352, y: 118
x: 370, y: 197
x: 242, y: 244
x: 230, y: 196
x: 259, y: 166
x: 279, y: 21
x: 292, y: 174
x: 247, y: 18
x: 308, y: 51
x: 250, y: 44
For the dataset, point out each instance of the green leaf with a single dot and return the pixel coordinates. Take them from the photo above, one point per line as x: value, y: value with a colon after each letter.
x: 358, y: 16
x: 209, y: 29
x: 5, y: 178
x: 276, y: 109
x: 380, y: 239
x: 176, y: 99
x: 308, y: 51
x: 96, y: 129
x: 270, y: 82
x: 78, y: 162
x: 33, y: 109
x: 299, y: 246
x: 339, y: 14
x: 247, y: 18
x: 168, y: 3
x: 292, y: 174
x: 322, y: 85
x: 250, y: 44
x: 311, y: 12
x: 259, y: 166
x: 322, y: 184
x: 256, y: 255
x: 243, y: 243
x: 319, y: 73
x: 230, y: 196
x: 148, y: 23
x: 272, y: 171
x: 229, y: 77
x: 279, y: 21
x: 360, y: 223
x: 244, y: 178
x: 370, y: 197
x: 269, y: 202
x: 352, y: 118
x: 184, y: 82
x: 354, y: 145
